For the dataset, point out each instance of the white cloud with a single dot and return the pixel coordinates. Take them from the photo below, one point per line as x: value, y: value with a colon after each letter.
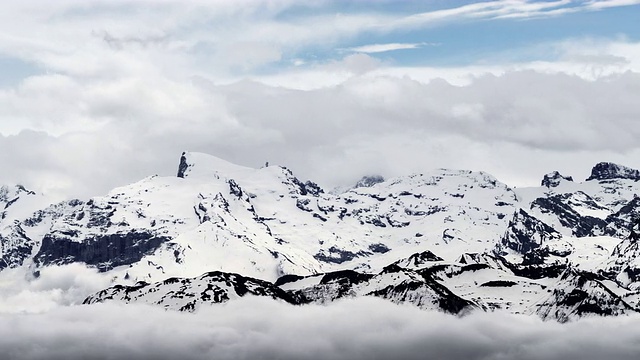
x: 603, y: 4
x: 516, y: 125
x: 379, y: 48
x: 22, y: 292
x: 217, y: 39
x: 126, y: 87
x: 363, y: 328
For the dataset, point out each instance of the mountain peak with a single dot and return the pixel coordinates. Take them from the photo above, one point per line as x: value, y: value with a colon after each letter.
x: 194, y: 164
x: 9, y: 194
x: 369, y: 181
x: 554, y: 178
x: 608, y: 171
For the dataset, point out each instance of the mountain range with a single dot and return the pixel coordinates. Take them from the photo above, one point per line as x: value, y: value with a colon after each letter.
x: 450, y: 240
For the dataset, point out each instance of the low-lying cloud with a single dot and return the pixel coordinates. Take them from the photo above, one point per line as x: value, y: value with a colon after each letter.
x: 21, y: 291
x: 257, y: 328
x: 41, y: 318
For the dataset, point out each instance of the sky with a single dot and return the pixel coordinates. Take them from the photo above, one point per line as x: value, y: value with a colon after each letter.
x: 99, y: 94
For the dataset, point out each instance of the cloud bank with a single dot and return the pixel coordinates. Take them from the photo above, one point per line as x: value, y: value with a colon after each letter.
x: 379, y: 48
x: 22, y: 292
x: 517, y: 126
x: 255, y: 328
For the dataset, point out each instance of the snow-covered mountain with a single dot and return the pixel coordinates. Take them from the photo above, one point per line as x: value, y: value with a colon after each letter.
x: 451, y: 240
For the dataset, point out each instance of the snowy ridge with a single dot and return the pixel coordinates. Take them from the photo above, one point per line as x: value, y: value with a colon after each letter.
x: 452, y: 237
x: 186, y: 294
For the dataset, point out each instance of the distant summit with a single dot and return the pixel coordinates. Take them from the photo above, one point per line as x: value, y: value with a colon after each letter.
x: 553, y: 179
x: 369, y: 181
x: 609, y: 171
x: 194, y: 164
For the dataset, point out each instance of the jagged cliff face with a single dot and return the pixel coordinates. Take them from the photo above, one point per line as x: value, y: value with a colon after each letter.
x: 450, y: 240
x: 609, y: 171
x: 554, y: 179
x: 17, y: 206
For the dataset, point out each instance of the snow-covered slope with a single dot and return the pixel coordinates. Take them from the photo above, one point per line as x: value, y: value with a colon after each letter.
x: 424, y: 280
x: 16, y: 204
x: 497, y: 248
x: 266, y: 222
x: 187, y: 294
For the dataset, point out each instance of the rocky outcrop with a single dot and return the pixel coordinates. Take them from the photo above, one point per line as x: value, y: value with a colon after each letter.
x: 578, y: 294
x: 183, y: 166
x: 560, y: 206
x: 15, y: 247
x: 104, y: 251
x: 554, y: 179
x: 188, y: 294
x: 609, y: 171
x: 525, y: 233
x: 418, y: 260
x: 394, y: 283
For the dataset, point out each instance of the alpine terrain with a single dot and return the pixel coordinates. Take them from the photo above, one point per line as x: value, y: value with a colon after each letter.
x: 450, y: 240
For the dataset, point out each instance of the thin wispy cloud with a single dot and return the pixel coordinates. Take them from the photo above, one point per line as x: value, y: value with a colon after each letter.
x: 603, y: 4
x: 380, y: 48
x: 506, y: 9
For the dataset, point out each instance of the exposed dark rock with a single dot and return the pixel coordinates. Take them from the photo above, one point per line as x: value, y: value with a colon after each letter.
x: 332, y: 286
x: 15, y: 248
x: 307, y: 188
x: 285, y: 279
x: 212, y: 287
x: 234, y: 189
x: 395, y: 223
x: 624, y: 255
x: 406, y: 286
x: 559, y: 206
x: 21, y: 188
x: 318, y: 216
x: 412, y: 212
x: 183, y: 166
x: 554, y: 178
x: 429, y: 211
x: 338, y: 256
x: 610, y: 171
x: 620, y: 223
x: 499, y: 283
x: 303, y: 204
x: 447, y: 236
x: 502, y: 203
x: 450, y: 270
x: 350, y: 277
x: 379, y: 248
x: 526, y: 233
x: 313, y: 188
x: 419, y: 292
x: 580, y: 293
x: 496, y: 262
x: 103, y: 251
x: 418, y: 260
x: 537, y: 271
